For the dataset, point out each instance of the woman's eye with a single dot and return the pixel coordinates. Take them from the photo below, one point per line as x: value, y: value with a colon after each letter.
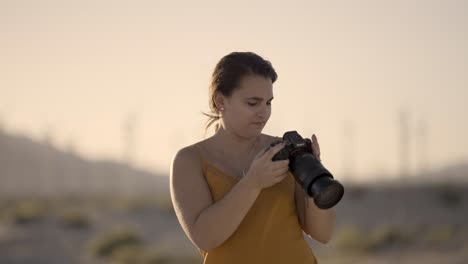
x: 254, y: 104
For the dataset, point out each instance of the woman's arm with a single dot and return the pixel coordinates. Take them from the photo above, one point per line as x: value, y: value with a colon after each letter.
x: 317, y: 223
x: 207, y: 224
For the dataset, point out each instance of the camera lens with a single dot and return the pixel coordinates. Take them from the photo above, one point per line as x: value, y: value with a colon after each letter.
x: 327, y: 191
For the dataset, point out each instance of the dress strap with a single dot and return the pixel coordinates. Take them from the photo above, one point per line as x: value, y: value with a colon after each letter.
x: 202, y: 159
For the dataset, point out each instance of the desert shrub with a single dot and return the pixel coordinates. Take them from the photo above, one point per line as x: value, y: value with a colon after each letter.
x: 106, y: 244
x: 24, y: 212
x: 74, y: 219
x: 387, y: 235
x: 449, y: 196
x: 128, y: 254
x: 439, y: 234
x: 355, y: 240
x: 351, y: 239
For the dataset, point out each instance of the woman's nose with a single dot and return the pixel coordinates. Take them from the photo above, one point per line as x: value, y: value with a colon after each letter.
x: 263, y: 112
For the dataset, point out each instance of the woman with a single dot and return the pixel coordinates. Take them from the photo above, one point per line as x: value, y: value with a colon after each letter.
x: 234, y: 203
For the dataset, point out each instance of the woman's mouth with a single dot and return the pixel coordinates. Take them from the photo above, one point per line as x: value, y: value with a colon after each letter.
x: 260, y: 124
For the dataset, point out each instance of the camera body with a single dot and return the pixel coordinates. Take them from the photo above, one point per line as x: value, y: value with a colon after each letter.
x: 309, y: 172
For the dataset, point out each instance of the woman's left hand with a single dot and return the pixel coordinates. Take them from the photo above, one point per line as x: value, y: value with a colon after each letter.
x: 316, y: 147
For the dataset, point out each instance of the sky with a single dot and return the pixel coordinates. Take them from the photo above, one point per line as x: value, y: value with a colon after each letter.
x: 85, y: 73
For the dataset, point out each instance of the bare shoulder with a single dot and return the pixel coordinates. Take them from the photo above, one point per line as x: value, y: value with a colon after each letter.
x: 187, y: 163
x: 190, y: 153
x: 187, y: 152
x: 183, y: 157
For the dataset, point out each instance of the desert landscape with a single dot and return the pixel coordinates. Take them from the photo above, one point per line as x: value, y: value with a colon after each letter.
x: 86, y: 216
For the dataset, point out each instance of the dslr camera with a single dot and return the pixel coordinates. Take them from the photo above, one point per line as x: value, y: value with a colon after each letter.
x: 314, y: 178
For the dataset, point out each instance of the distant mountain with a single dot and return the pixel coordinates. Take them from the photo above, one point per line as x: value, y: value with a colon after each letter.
x: 451, y: 174
x: 28, y: 167
x: 457, y: 171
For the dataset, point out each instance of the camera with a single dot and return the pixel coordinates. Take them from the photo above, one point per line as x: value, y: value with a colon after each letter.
x: 309, y: 172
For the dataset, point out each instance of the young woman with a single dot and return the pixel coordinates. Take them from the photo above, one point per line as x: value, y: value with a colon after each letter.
x: 234, y: 203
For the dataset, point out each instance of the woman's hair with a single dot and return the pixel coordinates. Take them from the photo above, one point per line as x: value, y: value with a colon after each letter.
x: 227, y: 75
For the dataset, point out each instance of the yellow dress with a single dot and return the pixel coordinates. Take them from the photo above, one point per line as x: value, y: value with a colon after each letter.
x: 269, y: 233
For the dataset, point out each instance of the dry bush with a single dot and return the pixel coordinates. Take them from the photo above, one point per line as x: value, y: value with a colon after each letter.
x: 104, y: 245
x: 75, y: 219
x: 24, y: 212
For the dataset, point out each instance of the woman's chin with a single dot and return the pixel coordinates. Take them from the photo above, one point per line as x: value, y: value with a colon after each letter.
x: 255, y: 132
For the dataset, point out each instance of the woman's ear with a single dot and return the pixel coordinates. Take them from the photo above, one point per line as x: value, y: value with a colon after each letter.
x: 219, y: 101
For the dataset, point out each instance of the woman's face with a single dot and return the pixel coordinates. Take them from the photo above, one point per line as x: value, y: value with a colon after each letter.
x: 248, y: 109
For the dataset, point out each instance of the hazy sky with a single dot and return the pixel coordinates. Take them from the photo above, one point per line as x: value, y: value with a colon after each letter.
x: 78, y: 69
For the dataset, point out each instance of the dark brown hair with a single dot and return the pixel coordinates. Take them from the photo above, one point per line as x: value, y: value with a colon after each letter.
x: 228, y: 73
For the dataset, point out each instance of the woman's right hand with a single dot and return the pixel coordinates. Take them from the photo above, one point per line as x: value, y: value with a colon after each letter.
x: 264, y: 172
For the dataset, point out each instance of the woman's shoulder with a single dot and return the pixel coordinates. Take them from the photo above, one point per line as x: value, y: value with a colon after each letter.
x: 195, y: 150
x: 189, y: 153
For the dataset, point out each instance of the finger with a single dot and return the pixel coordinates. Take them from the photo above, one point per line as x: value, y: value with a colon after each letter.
x: 315, y: 141
x: 315, y: 147
x: 263, y: 151
x: 315, y: 151
x: 280, y: 164
x: 272, y: 151
x: 281, y: 175
x: 317, y: 155
x: 260, y: 153
x: 282, y: 171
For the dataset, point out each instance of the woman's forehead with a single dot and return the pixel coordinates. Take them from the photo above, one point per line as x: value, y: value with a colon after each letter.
x: 255, y: 86
x: 255, y: 80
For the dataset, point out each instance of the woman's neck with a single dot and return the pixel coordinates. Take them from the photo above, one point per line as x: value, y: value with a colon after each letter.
x: 235, y: 145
